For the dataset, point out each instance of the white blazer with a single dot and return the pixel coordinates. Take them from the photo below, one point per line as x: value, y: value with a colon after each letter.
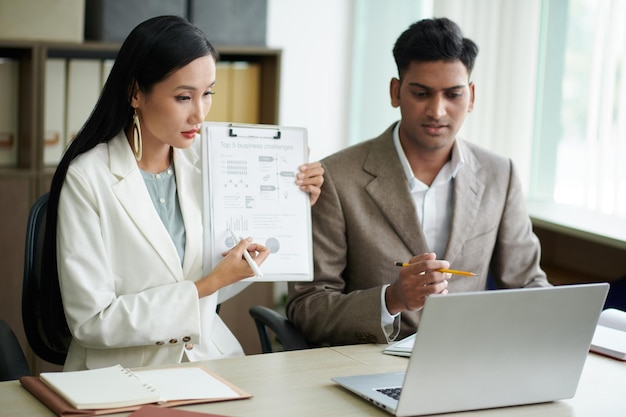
x: 127, y: 298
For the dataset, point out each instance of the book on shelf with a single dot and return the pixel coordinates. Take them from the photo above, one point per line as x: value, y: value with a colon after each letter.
x: 107, y: 66
x: 54, y: 110
x: 221, y: 105
x: 84, y: 82
x: 117, y: 389
x: 609, y: 338
x: 245, y: 93
x: 9, y: 104
x: 237, y: 93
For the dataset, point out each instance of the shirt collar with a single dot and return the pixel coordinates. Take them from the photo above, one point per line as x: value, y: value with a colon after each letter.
x: 448, y: 171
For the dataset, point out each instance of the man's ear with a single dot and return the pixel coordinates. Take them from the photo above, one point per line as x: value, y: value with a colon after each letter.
x: 394, y: 92
x: 472, y: 97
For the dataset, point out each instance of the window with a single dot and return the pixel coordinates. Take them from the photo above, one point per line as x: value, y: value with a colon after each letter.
x: 579, y: 148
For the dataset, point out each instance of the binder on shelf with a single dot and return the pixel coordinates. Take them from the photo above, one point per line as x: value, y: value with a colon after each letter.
x: 107, y: 64
x: 245, y: 96
x: 54, y: 110
x: 84, y: 82
x: 249, y: 173
x: 221, y: 106
x: 237, y: 93
x: 9, y: 79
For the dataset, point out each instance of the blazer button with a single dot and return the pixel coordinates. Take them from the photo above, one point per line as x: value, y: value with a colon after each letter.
x: 173, y: 341
x: 160, y: 343
x: 186, y: 339
x: 188, y: 346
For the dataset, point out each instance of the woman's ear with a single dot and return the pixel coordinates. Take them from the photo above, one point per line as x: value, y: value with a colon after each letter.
x: 135, y: 93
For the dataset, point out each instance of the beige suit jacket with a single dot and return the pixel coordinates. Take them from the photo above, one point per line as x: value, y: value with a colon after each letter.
x: 365, y: 219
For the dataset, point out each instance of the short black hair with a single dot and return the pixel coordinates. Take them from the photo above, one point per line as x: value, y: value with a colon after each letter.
x: 437, y: 39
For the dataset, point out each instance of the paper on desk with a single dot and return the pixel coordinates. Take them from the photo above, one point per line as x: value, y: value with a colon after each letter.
x: 197, y: 384
x: 610, y: 336
x: 402, y: 347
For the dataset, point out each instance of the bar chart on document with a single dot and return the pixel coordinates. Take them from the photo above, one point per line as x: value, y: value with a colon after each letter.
x: 250, y: 188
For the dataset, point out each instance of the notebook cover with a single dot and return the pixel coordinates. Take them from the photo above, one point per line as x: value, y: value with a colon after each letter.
x: 156, y: 411
x: 62, y: 408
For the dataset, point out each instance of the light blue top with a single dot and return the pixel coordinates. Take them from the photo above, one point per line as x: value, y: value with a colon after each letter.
x: 164, y: 195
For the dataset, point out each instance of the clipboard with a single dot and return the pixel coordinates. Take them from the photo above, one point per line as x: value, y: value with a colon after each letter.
x: 248, y: 179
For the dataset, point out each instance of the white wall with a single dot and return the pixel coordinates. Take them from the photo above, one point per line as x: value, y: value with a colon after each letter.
x: 315, y: 37
x: 378, y: 24
x: 316, y: 42
x: 335, y: 79
x: 507, y: 35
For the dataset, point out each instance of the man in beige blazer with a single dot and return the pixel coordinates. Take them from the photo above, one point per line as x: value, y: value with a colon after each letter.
x: 416, y: 194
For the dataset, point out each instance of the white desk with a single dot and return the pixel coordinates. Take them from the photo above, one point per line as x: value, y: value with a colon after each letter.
x: 298, y: 384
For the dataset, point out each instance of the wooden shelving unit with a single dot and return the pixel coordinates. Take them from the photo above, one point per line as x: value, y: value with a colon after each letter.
x: 23, y: 182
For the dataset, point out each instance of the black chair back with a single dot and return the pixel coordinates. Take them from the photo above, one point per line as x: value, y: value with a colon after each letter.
x: 39, y: 338
x: 13, y: 363
x: 286, y: 333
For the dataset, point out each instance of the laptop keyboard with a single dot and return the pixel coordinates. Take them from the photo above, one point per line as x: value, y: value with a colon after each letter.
x: 391, y: 392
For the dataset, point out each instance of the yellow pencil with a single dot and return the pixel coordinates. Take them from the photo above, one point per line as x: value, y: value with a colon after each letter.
x: 450, y: 271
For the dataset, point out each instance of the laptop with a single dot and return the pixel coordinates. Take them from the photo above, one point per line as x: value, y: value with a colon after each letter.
x: 489, y: 349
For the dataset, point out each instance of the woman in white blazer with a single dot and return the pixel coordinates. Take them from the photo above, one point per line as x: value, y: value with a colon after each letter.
x: 124, y: 217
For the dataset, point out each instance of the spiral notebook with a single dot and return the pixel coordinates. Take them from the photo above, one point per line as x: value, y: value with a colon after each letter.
x: 114, y: 388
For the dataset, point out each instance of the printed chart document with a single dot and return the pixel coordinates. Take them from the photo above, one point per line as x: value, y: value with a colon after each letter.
x: 114, y: 389
x: 249, y: 174
x: 609, y: 338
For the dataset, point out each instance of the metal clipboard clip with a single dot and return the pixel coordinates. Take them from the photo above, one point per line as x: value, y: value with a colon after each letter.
x: 254, y: 131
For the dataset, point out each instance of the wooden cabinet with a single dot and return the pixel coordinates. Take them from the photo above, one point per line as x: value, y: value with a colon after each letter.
x: 26, y: 177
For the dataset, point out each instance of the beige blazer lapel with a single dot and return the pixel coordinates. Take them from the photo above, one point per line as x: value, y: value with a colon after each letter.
x: 468, y: 192
x: 389, y: 180
x: 133, y: 195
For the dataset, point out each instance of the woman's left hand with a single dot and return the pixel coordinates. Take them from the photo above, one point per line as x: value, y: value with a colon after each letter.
x: 310, y: 179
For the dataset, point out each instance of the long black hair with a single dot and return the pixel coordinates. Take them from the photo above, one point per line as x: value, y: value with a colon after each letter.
x: 152, y: 51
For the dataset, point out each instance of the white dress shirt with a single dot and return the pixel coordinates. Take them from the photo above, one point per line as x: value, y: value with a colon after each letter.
x: 433, y: 205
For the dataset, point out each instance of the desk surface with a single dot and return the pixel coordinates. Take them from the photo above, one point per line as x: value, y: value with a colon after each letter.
x: 298, y: 384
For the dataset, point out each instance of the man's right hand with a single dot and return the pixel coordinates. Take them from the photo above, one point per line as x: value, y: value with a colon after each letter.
x: 416, y: 281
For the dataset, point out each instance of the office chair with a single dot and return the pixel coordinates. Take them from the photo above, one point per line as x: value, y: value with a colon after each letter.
x: 13, y: 363
x: 616, y: 298
x: 48, y: 344
x: 286, y: 333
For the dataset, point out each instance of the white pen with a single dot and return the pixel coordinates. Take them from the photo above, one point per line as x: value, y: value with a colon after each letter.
x: 246, y: 254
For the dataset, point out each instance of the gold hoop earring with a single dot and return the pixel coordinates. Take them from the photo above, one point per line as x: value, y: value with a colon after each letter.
x: 137, y: 141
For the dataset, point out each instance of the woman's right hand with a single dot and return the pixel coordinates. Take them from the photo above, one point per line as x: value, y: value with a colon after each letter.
x: 233, y: 267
